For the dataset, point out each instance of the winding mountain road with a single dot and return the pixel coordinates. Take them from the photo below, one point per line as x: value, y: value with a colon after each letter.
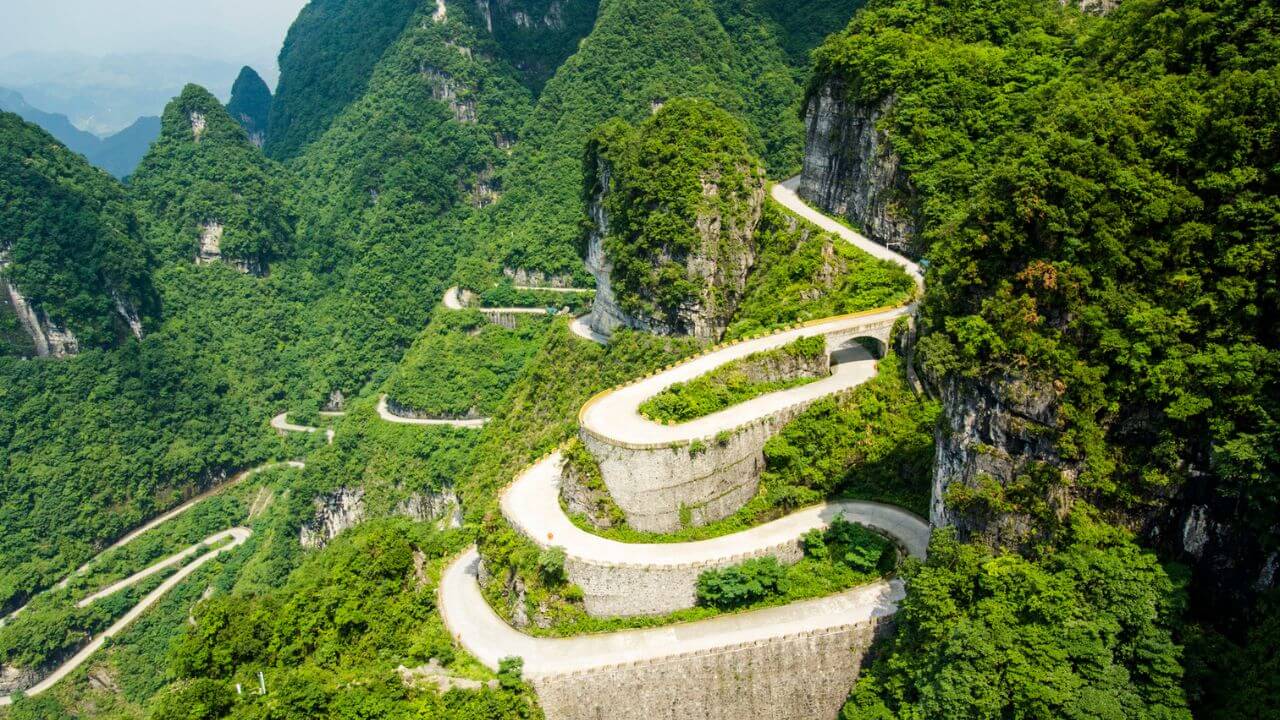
x: 578, y: 326
x: 489, y: 638
x: 281, y: 423
x: 532, y: 504
x: 385, y: 413
x: 238, y: 537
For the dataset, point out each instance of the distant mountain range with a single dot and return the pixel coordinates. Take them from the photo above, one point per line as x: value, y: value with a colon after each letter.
x: 118, y: 154
x: 104, y: 95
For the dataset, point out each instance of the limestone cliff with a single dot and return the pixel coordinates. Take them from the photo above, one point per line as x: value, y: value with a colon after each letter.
x: 344, y: 508
x: 851, y: 170
x: 673, y: 208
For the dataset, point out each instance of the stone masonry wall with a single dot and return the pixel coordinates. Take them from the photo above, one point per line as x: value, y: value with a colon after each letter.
x: 652, y: 483
x: 795, y: 677
x: 610, y: 589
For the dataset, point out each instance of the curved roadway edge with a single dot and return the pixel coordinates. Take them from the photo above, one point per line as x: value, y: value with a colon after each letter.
x: 489, y: 638
x: 238, y: 537
x: 785, y: 194
x: 615, y: 416
x: 282, y: 424
x: 532, y: 505
x: 385, y: 413
x: 578, y: 325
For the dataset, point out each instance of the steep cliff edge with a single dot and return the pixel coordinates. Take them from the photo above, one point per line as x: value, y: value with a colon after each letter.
x: 250, y: 105
x: 675, y: 204
x: 851, y: 169
x: 74, y: 272
x: 1093, y: 359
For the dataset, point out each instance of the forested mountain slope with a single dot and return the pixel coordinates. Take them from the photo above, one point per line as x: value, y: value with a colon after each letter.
x: 250, y: 105
x: 640, y: 55
x: 1098, y: 200
x: 326, y: 61
x: 74, y: 272
x: 206, y: 192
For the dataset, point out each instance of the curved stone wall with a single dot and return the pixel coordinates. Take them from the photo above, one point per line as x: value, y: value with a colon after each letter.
x: 794, y: 677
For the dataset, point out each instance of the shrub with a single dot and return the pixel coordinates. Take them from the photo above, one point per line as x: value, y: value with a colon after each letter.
x: 551, y: 565
x: 740, y: 585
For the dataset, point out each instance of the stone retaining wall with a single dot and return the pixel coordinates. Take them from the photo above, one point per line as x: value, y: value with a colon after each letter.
x: 617, y: 589
x: 795, y: 677
x: 652, y: 483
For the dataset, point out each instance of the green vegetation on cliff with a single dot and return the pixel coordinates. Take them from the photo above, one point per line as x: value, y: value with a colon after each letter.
x: 203, y: 179
x: 69, y: 241
x: 738, y: 381
x: 250, y: 104
x: 327, y: 59
x: 1081, y: 632
x: 463, y: 364
x: 639, y: 55
x: 681, y: 187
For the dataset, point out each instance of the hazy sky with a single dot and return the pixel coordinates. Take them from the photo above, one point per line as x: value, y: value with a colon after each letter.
x: 241, y: 31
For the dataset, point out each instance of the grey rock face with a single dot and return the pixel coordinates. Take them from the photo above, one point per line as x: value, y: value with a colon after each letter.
x: 851, y: 170
x: 991, y: 435
x: 345, y: 508
x: 48, y: 338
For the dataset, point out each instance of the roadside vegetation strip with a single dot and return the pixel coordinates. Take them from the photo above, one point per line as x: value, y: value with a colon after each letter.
x: 385, y: 413
x: 238, y: 536
x: 489, y: 638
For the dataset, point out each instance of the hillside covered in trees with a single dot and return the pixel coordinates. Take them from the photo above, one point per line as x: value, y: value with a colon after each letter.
x: 1095, y: 198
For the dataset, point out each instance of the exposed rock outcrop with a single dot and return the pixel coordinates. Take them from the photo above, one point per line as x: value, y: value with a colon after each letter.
x: 851, y: 170
x: 994, y: 439
x: 723, y: 276
x: 446, y: 89
x: 338, y: 511
x: 211, y: 233
x: 48, y: 338
x: 13, y: 679
x: 537, y: 278
x: 345, y: 508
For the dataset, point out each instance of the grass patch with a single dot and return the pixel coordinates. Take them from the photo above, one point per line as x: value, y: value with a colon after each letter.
x: 738, y: 381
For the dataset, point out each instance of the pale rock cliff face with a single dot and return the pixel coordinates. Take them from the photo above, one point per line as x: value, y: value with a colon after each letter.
x: 48, y: 338
x: 851, y: 170
x: 335, y: 512
x: 449, y: 91
x: 720, y: 266
x: 13, y: 679
x: 537, y: 278
x: 198, y: 125
x: 345, y: 508
x: 210, y: 251
x: 129, y: 314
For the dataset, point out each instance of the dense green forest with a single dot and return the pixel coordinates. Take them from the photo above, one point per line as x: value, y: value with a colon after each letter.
x: 325, y: 64
x: 640, y: 55
x: 204, y: 173
x: 71, y: 244
x: 250, y: 104
x: 687, y: 165
x: 1098, y: 203
x: 1097, y: 199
